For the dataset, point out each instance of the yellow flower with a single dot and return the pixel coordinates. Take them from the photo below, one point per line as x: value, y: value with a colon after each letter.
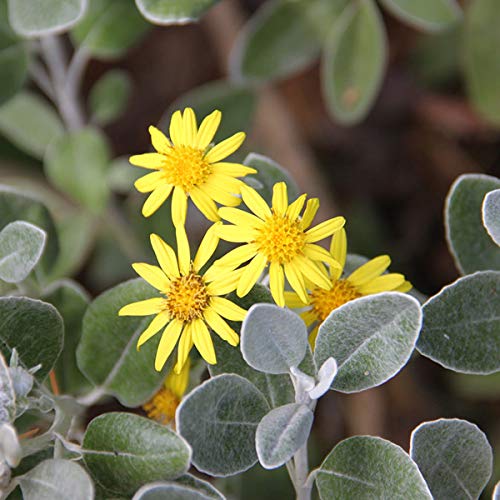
x: 190, y: 300
x: 366, y: 280
x: 280, y: 237
x: 186, y: 165
x: 162, y: 406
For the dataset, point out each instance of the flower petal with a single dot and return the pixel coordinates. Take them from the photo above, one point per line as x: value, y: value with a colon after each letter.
x: 315, y: 252
x: 370, y: 270
x: 152, y: 161
x: 190, y: 127
x: 154, y: 327
x: 155, y: 200
x: 294, y: 277
x: 228, y: 309
x: 236, y: 234
x: 310, y: 212
x: 293, y: 210
x: 310, y: 270
x: 292, y: 300
x: 207, y: 247
x: 338, y: 250
x: 165, y: 255
x: 185, y: 345
x: 169, y: 338
x: 225, y: 284
x: 280, y: 198
x: 208, y: 129
x: 205, y: 204
x: 179, y: 207
x: 236, y: 257
x: 325, y: 229
x: 255, y: 202
x: 203, y: 341
x: 176, y: 129
x: 158, y: 140
x: 240, y: 217
x: 277, y: 283
x: 225, y: 148
x: 220, y: 195
x: 220, y: 327
x: 183, y: 250
x: 153, y: 275
x: 142, y: 307
x: 233, y: 169
x: 384, y: 283
x: 405, y: 287
x: 149, y: 182
x: 251, y: 274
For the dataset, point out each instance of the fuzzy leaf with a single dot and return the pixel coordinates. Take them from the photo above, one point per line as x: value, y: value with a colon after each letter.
x: 186, y: 487
x: 7, y: 394
x: 491, y: 215
x: 173, y: 11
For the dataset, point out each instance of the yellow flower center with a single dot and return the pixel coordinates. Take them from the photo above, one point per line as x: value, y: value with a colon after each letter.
x: 325, y: 301
x: 281, y: 239
x: 187, y: 297
x: 161, y: 407
x: 186, y: 167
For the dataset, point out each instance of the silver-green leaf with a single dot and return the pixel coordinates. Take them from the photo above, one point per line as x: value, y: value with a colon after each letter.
x: 491, y: 215
x: 454, y: 457
x: 7, y: 394
x: 371, y: 339
x: 186, y: 487
x: 173, y: 11
x: 462, y: 324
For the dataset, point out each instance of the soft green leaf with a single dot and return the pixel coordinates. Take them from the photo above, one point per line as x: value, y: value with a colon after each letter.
x: 491, y: 215
x: 454, y: 457
x: 354, y: 61
x: 107, y: 353
x: 57, y: 479
x: 123, y: 451
x: 7, y: 394
x: 21, y: 247
x: 76, y: 163
x: 223, y: 439
x: 109, y: 28
x: 481, y: 64
x: 173, y: 11
x: 30, y: 123
x: 365, y: 467
x: 109, y: 96
x: 461, y: 325
x: 36, y: 18
x: 470, y: 244
x: 273, y: 339
x: 428, y: 15
x: 371, y: 339
x: 121, y: 175
x: 184, y: 488
x: 282, y: 38
x: 281, y: 433
x: 34, y: 328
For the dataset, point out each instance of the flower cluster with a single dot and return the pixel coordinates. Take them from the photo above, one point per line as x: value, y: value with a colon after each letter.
x: 277, y: 243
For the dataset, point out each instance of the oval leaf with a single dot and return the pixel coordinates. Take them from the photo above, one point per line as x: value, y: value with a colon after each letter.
x: 454, y: 457
x: 7, y: 394
x: 273, y: 339
x: 123, y: 451
x: 57, y: 480
x: 107, y: 353
x: 491, y: 215
x: 185, y: 488
x: 173, y: 11
x: 461, y: 325
x: 281, y: 433
x: 370, y: 467
x: 371, y: 339
x: 223, y: 441
x: 469, y: 243
x: 354, y: 62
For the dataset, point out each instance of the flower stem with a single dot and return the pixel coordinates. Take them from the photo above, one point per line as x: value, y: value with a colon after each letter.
x: 301, y: 461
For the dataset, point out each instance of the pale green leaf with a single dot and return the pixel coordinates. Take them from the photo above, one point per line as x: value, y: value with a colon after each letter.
x: 186, y: 487
x: 491, y: 215
x: 173, y: 11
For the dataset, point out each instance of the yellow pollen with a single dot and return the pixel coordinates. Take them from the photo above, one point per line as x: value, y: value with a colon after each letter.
x: 161, y: 407
x: 186, y: 167
x: 281, y: 239
x: 187, y: 297
x: 325, y: 301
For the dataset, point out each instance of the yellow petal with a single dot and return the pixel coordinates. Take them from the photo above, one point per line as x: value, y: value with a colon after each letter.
x: 207, y: 247
x: 179, y: 207
x: 236, y: 234
x: 220, y: 195
x: 169, y: 338
x: 153, y: 275
x: 229, y: 184
x: 185, y: 345
x: 292, y: 300
x: 236, y: 257
x: 280, y: 198
x: 155, y: 200
x: 325, y: 229
x: 183, y: 250
x: 149, y: 182
x: 225, y: 148
x: 338, y: 250
x: 310, y: 212
x: 142, y: 308
x: 294, y: 277
x: 178, y: 382
x: 176, y: 129
x: 158, y: 140
x: 154, y: 327
x: 313, y: 336
x: 309, y: 317
x: 226, y: 283
x: 208, y: 129
x: 315, y: 252
x: 165, y: 255
x: 370, y: 270
x: 152, y: 161
x: 384, y: 283
x: 228, y: 309
x: 203, y: 341
x: 233, y: 169
x: 251, y: 274
x: 220, y: 327
x: 309, y: 269
x: 277, y: 283
x: 205, y: 204
x: 293, y: 210
x: 240, y: 217
x: 190, y: 127
x: 405, y: 287
x: 255, y: 202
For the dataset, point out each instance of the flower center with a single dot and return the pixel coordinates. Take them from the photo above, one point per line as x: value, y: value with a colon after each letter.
x: 187, y: 297
x: 161, y: 407
x: 185, y: 167
x: 281, y: 239
x: 325, y: 301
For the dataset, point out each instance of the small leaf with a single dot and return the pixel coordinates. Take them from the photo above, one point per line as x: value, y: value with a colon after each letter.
x: 109, y: 96
x: 7, y: 394
x: 370, y: 467
x: 428, y: 15
x: 354, y: 61
x: 123, y: 451
x: 30, y: 123
x: 35, y: 329
x: 186, y: 487
x: 107, y: 353
x: 57, y: 479
x: 454, y: 457
x: 491, y: 215
x: 273, y: 339
x: 21, y: 247
x: 371, y: 339
x: 281, y: 433
x: 461, y: 325
x: 223, y: 439
x: 36, y: 18
x: 173, y: 11
x: 100, y: 33
x: 76, y: 163
x: 469, y: 243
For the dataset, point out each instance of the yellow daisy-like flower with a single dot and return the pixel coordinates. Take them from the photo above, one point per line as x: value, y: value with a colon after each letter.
x: 280, y: 237
x: 186, y: 166
x: 190, y: 300
x: 162, y: 406
x: 366, y: 280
